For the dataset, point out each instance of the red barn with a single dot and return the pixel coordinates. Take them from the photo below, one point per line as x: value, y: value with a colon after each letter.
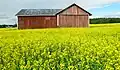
x: 72, y: 16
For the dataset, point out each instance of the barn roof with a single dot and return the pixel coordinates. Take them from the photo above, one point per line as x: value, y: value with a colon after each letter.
x: 45, y: 12
x: 37, y: 12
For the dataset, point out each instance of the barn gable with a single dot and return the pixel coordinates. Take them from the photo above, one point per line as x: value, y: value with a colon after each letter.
x: 74, y: 9
x: 73, y: 16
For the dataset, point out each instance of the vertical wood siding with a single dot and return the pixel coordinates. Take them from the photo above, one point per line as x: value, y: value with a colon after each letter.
x: 73, y: 21
x: 75, y: 11
x: 73, y: 17
x: 33, y: 22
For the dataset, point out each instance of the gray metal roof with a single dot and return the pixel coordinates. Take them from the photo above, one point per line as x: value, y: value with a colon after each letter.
x: 37, y: 12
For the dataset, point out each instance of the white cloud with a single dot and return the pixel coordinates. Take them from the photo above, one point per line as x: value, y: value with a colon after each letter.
x: 6, y: 21
x: 13, y: 6
x: 101, y: 6
x: 118, y: 13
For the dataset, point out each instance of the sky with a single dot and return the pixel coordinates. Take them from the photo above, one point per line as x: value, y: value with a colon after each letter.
x: 99, y: 8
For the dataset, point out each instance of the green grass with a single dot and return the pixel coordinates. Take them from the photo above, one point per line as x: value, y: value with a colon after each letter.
x: 94, y: 48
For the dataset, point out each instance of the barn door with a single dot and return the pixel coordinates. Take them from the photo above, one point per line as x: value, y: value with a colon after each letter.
x: 69, y: 21
x: 50, y: 22
x: 73, y: 21
x: 46, y: 23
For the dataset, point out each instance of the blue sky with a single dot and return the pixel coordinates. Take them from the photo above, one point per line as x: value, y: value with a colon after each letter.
x: 106, y: 10
x: 99, y: 8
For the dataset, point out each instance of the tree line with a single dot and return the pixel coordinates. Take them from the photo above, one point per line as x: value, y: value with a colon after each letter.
x: 104, y: 20
x: 8, y: 26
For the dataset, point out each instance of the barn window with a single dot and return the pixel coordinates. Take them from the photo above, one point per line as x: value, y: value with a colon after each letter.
x: 47, y: 18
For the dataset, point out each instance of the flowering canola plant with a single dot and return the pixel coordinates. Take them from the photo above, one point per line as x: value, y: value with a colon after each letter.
x: 95, y: 48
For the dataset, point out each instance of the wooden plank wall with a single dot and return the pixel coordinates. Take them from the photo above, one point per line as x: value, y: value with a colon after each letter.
x: 74, y: 10
x: 73, y: 21
x: 32, y: 22
x: 73, y: 17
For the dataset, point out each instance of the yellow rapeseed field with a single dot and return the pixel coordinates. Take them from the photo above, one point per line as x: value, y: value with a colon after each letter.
x: 93, y: 48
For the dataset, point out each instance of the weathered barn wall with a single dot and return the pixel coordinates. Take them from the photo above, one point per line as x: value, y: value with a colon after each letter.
x: 32, y: 22
x: 74, y: 10
x: 73, y: 21
x: 73, y: 17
